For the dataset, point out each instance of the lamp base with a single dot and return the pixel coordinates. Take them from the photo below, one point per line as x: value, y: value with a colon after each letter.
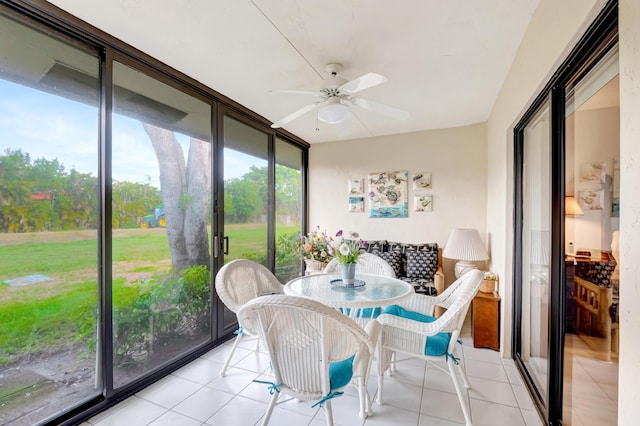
x: 462, y: 267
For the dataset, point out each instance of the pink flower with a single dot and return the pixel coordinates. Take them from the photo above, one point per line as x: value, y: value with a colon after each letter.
x: 339, y: 233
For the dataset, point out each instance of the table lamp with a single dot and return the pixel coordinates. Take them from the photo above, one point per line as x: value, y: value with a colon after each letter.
x: 466, y: 246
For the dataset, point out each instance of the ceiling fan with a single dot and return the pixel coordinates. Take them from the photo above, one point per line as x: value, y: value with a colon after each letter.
x: 335, y: 99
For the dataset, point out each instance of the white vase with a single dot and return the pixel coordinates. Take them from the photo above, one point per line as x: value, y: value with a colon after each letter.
x: 348, y: 273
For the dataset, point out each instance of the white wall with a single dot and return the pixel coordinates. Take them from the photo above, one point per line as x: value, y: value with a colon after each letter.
x: 554, y: 30
x: 455, y: 157
x: 629, y: 368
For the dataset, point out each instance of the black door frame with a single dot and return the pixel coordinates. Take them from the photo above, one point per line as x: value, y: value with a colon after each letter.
x: 597, y: 40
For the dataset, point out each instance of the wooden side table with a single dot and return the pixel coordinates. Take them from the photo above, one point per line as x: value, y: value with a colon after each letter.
x: 485, y: 321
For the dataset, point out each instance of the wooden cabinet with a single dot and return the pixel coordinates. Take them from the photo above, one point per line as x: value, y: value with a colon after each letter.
x: 485, y: 321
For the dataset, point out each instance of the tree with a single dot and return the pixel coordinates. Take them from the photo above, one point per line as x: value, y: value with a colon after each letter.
x: 242, y: 201
x: 185, y: 190
x: 288, y: 192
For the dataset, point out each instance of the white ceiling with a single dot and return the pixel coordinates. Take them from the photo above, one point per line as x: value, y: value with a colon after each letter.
x: 445, y: 60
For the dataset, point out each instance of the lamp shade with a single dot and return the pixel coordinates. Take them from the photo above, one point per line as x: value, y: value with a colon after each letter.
x: 465, y: 244
x: 571, y: 207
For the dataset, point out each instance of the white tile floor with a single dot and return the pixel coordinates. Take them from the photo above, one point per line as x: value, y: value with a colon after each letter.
x: 415, y: 395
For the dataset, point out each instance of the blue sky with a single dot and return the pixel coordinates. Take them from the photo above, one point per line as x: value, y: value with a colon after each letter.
x: 49, y: 126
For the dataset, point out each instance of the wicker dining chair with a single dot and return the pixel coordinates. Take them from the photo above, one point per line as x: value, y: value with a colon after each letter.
x: 410, y: 328
x: 367, y: 264
x: 315, y: 350
x: 238, y: 282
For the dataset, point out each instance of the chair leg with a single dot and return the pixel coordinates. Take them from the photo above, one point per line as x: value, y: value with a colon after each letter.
x: 463, y: 370
x: 382, y: 366
x: 233, y: 349
x: 380, y: 386
x: 365, y: 404
x: 466, y: 410
x: 328, y: 412
x: 272, y: 404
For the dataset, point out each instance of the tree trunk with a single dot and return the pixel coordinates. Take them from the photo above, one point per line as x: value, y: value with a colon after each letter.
x: 199, y: 200
x: 185, y: 193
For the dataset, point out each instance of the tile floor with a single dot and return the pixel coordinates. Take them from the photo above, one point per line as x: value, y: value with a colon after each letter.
x: 591, y: 385
x: 417, y: 394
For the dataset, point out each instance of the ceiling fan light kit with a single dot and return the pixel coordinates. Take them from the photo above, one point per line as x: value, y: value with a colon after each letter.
x: 334, y: 112
x: 335, y: 100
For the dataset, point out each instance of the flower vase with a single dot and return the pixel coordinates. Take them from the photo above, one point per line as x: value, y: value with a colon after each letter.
x: 348, y: 273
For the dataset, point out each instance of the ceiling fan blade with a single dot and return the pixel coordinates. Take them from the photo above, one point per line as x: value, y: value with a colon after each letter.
x: 383, y: 109
x: 363, y: 82
x: 289, y: 118
x: 295, y: 92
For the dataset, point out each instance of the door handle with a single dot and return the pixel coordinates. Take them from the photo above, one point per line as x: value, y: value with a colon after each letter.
x: 226, y: 246
x: 216, y: 247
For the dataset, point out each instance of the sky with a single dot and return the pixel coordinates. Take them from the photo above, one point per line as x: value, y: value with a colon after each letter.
x: 49, y: 126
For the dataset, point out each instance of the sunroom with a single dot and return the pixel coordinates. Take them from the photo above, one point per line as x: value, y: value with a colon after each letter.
x: 139, y: 157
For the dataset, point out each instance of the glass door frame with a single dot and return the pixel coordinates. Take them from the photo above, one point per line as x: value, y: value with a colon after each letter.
x: 599, y: 37
x: 221, y: 331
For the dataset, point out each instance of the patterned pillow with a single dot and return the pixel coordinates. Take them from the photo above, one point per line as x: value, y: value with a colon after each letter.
x: 404, y: 248
x: 422, y: 264
x: 374, y: 246
x: 392, y: 258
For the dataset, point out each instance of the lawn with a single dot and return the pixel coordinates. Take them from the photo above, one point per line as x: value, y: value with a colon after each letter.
x: 50, y: 316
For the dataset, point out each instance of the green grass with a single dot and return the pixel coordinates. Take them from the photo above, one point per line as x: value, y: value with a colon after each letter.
x: 44, y: 318
x: 48, y: 324
x: 46, y: 258
x: 140, y: 248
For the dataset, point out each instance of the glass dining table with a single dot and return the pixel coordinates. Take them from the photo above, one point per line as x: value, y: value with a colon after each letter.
x: 369, y: 292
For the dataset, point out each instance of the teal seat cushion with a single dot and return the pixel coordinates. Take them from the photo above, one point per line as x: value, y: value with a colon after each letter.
x: 341, y: 372
x: 363, y: 313
x: 436, y: 345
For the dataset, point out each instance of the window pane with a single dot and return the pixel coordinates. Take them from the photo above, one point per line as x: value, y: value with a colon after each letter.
x: 48, y: 224
x: 288, y: 209
x: 245, y: 191
x: 161, y: 223
x: 592, y: 246
x: 536, y: 248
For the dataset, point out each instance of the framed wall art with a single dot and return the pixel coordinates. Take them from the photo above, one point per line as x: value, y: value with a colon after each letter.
x: 388, y: 194
x: 356, y: 204
x: 356, y: 186
x: 593, y: 172
x: 423, y: 203
x: 591, y: 200
x: 421, y: 181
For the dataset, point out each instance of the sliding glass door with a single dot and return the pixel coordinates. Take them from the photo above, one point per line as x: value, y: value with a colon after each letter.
x: 592, y: 245
x: 535, y: 230
x: 117, y: 177
x: 161, y: 221
x: 49, y: 216
x: 565, y: 235
x: 262, y: 200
